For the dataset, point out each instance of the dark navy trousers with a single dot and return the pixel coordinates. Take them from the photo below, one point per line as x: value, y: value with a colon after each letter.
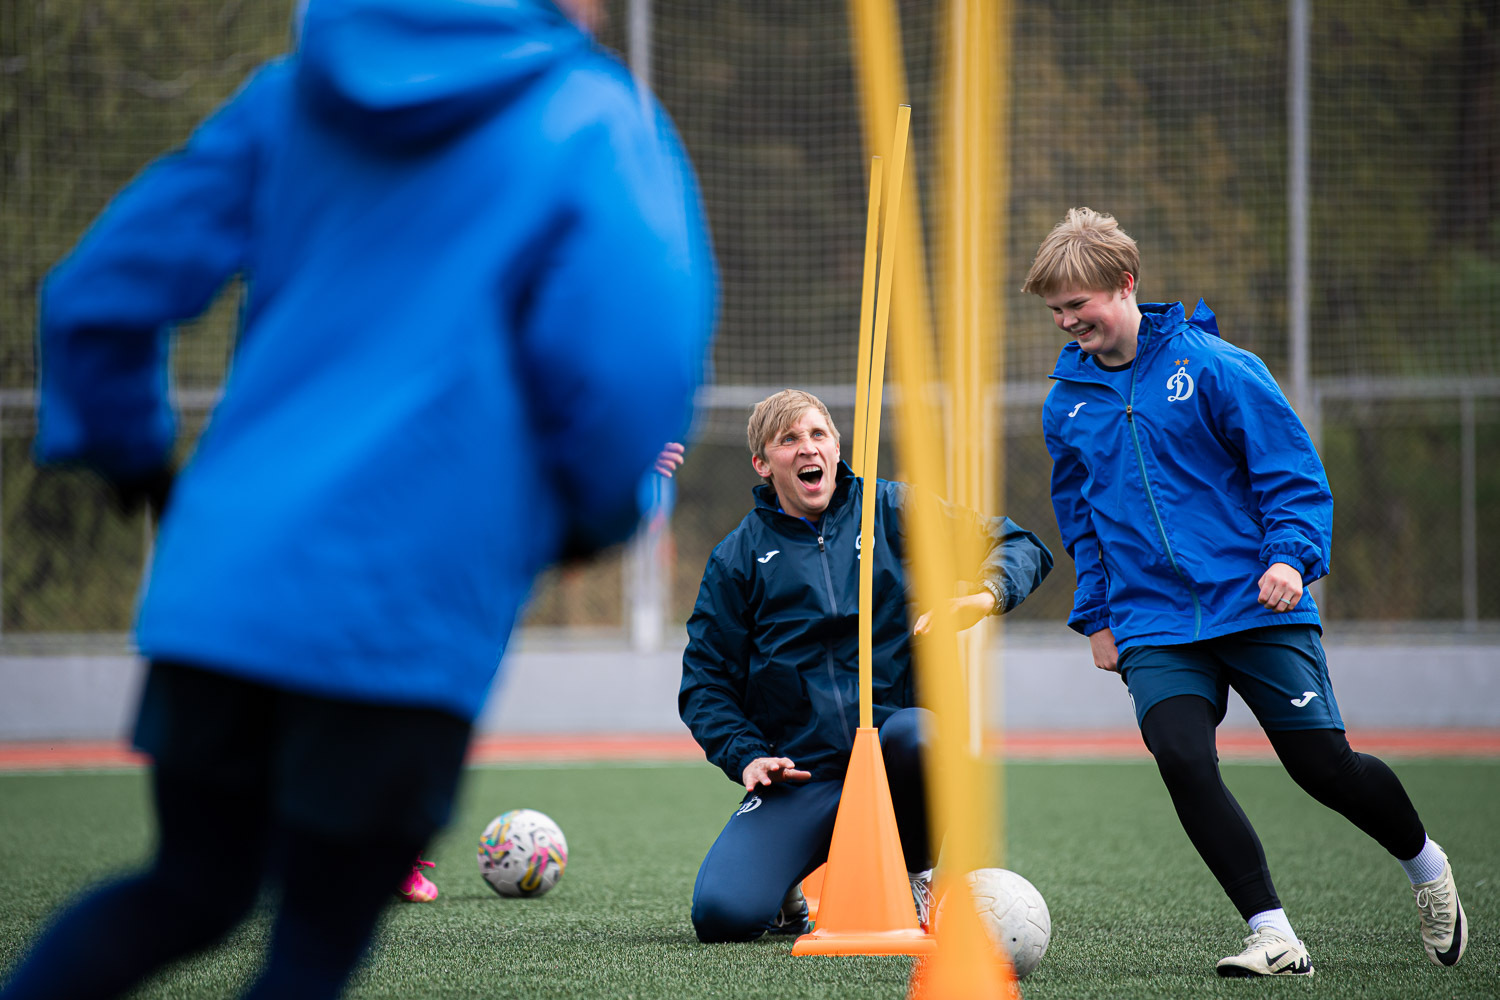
x: 780, y: 834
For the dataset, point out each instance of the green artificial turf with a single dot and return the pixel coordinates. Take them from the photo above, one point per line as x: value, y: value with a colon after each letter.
x: 1135, y: 913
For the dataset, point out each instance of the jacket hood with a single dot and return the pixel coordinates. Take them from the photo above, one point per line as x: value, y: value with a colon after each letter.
x: 1165, y: 318
x: 402, y: 71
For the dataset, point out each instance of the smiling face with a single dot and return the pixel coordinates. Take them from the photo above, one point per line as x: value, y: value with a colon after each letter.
x: 801, y: 461
x: 1104, y: 324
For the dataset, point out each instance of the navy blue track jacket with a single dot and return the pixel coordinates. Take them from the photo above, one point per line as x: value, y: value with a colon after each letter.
x: 772, y: 662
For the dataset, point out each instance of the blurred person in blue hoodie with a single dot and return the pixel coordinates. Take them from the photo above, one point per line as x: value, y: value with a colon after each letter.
x: 479, y: 294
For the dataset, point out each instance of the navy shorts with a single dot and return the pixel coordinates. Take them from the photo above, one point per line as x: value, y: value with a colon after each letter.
x: 1279, y: 671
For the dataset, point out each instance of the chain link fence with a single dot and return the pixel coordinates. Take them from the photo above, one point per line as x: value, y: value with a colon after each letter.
x: 1171, y: 115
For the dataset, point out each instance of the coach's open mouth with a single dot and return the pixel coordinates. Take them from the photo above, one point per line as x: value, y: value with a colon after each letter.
x: 811, y: 475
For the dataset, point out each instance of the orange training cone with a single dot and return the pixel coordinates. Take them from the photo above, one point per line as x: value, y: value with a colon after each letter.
x: 865, y: 907
x: 812, y: 890
x: 965, y: 965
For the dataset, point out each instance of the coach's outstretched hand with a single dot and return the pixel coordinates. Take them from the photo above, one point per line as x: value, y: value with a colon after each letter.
x: 769, y: 770
x: 966, y: 611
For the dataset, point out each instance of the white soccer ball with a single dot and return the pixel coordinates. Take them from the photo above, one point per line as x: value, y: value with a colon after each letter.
x: 522, y: 853
x: 1013, y: 914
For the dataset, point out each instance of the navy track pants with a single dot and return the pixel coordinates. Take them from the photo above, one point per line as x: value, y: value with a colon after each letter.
x: 780, y: 834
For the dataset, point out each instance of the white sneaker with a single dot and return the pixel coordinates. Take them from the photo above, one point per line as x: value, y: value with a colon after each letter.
x: 1445, y: 932
x: 1267, y: 953
x: 921, y: 895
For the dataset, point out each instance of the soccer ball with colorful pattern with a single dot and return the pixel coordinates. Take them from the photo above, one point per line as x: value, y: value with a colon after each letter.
x: 1014, y: 916
x: 522, y: 853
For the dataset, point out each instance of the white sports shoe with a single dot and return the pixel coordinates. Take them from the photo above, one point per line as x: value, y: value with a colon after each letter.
x: 1267, y: 953
x: 921, y: 895
x: 1445, y: 931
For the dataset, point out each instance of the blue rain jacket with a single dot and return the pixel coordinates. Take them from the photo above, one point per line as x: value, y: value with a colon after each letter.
x: 479, y: 292
x: 772, y: 663
x: 1178, y: 484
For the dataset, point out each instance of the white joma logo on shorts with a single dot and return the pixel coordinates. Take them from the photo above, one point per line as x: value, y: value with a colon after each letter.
x: 1307, y: 696
x: 749, y: 805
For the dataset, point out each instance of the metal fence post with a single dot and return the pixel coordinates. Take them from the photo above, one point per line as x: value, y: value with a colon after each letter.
x: 1469, y: 517
x: 642, y: 569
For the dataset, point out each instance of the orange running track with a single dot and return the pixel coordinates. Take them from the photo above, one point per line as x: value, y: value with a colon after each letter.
x: 1020, y: 745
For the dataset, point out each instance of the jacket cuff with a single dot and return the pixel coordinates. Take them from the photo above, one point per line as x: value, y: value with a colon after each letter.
x: 1286, y: 557
x: 742, y: 761
x: 1089, y: 625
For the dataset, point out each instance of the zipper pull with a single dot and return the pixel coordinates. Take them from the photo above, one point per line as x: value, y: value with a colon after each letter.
x: 820, y: 543
x: 1129, y: 412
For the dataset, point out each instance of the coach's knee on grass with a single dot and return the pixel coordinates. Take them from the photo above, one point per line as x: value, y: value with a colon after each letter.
x: 720, y: 917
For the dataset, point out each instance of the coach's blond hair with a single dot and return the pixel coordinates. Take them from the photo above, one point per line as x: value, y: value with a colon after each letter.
x: 1086, y: 250
x: 776, y: 413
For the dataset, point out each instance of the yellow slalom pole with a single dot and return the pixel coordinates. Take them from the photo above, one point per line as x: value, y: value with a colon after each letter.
x: 964, y: 965
x: 866, y: 319
x: 875, y: 33
x: 867, y: 402
x: 873, y: 397
x: 960, y: 226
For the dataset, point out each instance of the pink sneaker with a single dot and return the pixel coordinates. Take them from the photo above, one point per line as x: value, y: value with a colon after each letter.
x: 418, y: 888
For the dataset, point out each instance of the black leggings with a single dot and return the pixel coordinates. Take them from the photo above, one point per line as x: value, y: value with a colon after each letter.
x: 204, y: 879
x: 257, y: 787
x: 1179, y: 732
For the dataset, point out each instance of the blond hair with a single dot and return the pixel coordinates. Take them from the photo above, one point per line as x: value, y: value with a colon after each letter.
x: 1086, y: 250
x: 776, y: 413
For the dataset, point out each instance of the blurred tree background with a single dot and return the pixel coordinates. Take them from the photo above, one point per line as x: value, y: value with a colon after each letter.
x: 1171, y: 115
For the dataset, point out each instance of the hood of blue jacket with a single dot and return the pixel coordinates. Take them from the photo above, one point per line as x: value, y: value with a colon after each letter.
x: 1159, y: 322
x: 402, y: 71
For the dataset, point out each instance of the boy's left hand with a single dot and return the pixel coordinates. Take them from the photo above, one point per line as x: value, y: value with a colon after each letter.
x: 1280, y: 587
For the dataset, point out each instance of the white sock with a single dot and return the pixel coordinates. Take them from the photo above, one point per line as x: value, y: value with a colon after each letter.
x: 1274, y: 919
x: 1427, y: 865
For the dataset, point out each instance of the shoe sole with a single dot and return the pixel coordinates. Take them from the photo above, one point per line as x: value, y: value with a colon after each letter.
x: 1240, y: 972
x: 1230, y: 970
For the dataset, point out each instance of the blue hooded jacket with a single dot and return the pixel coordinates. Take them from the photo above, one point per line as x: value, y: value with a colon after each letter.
x: 1179, y: 482
x: 479, y: 292
x: 772, y: 661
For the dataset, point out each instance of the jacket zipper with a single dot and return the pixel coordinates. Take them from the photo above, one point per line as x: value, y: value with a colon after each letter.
x: 833, y: 677
x: 1161, y: 529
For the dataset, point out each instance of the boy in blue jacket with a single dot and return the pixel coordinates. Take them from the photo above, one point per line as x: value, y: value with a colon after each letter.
x: 770, y: 676
x: 479, y: 296
x: 1196, y: 510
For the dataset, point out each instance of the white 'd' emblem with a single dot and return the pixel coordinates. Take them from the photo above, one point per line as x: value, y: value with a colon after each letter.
x: 1181, y: 384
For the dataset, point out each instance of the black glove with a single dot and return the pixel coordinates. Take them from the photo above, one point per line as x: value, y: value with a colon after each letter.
x: 152, y: 488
